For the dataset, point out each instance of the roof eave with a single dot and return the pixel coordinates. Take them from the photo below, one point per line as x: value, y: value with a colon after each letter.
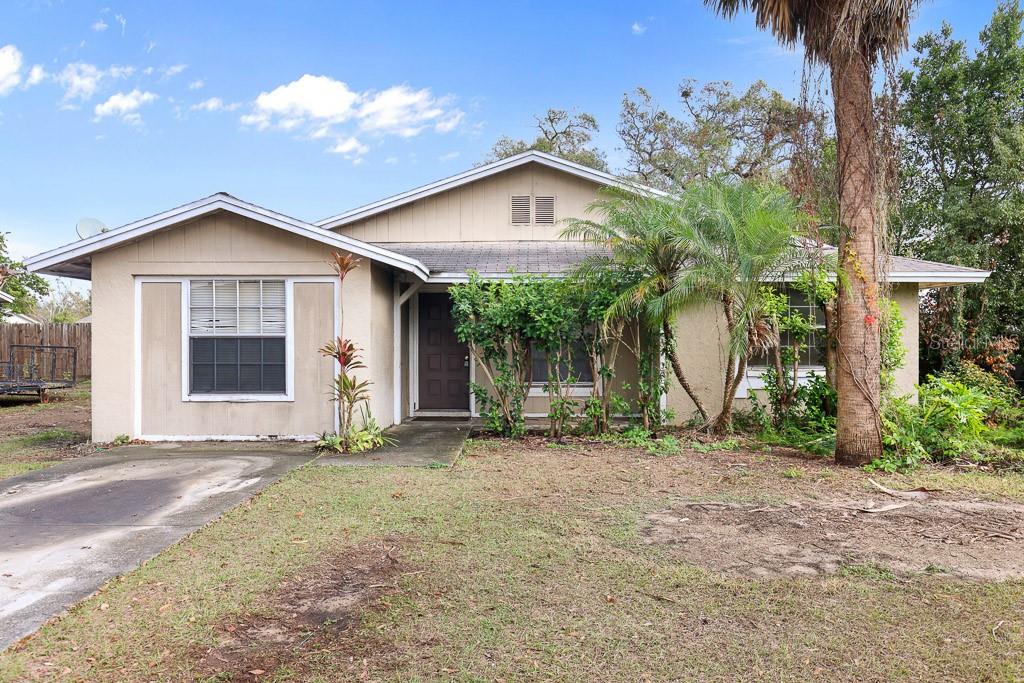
x: 52, y: 261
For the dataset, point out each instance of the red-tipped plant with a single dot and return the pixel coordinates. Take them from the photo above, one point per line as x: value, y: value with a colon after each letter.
x: 346, y: 390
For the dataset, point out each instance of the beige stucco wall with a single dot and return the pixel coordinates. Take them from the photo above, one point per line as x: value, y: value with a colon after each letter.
x: 224, y: 244
x: 480, y: 211
x: 702, y: 342
x: 381, y: 351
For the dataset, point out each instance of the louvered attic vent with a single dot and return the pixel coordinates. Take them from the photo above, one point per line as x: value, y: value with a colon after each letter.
x: 520, y: 209
x: 544, y: 210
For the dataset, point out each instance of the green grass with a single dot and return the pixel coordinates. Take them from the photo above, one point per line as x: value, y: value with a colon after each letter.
x: 27, y: 453
x: 521, y: 564
x: 13, y: 469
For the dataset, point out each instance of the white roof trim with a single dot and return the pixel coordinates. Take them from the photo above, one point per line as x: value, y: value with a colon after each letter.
x: 941, y: 276
x: 6, y: 298
x: 220, y: 202
x: 479, y: 173
x: 933, y: 278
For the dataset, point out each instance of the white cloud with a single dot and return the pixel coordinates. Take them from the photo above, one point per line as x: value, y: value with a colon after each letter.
x: 400, y: 110
x: 196, y: 84
x: 312, y: 98
x: 119, y: 18
x: 36, y: 75
x: 350, y: 147
x: 214, y: 104
x: 638, y: 29
x: 99, y: 26
x: 391, y: 161
x: 10, y: 69
x: 125, y: 105
x: 320, y: 107
x: 175, y: 70
x: 120, y: 71
x: 450, y: 121
x: 80, y: 80
x: 449, y: 156
x: 150, y: 46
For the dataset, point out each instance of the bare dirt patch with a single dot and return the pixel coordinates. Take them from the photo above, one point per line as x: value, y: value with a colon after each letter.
x: 311, y: 615
x: 808, y: 537
x: 24, y: 417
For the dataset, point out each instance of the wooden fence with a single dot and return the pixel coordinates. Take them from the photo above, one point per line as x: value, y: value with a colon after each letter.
x: 78, y: 335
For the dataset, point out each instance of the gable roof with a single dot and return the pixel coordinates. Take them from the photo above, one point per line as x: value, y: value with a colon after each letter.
x: 74, y: 260
x: 479, y: 173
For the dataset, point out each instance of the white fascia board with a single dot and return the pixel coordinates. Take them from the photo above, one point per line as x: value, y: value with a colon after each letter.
x: 6, y: 298
x: 221, y: 202
x: 941, y: 277
x: 479, y: 173
x: 937, y: 277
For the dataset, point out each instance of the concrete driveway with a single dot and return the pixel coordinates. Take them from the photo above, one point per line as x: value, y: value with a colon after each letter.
x: 66, y: 530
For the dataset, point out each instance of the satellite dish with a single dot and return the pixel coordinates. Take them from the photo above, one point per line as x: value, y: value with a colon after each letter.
x: 87, y: 227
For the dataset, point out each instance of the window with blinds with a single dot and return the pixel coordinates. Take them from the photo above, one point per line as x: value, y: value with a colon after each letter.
x: 520, y: 209
x: 237, y: 334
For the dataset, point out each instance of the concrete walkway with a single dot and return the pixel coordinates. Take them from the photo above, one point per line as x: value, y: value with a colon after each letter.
x: 419, y: 444
x: 66, y: 530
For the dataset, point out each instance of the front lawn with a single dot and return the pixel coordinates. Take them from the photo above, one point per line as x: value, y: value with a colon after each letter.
x: 585, y: 562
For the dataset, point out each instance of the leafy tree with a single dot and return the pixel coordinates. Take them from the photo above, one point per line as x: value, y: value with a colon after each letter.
x: 495, y: 319
x: 62, y: 305
x: 641, y: 234
x: 740, y: 235
x: 564, y: 134
x: 25, y: 287
x: 752, y: 135
x: 849, y: 38
x: 961, y: 122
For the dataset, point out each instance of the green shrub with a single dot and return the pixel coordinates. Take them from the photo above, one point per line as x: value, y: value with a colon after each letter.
x: 966, y: 413
x: 360, y: 439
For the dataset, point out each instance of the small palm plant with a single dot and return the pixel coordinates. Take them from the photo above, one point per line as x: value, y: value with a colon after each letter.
x: 741, y: 236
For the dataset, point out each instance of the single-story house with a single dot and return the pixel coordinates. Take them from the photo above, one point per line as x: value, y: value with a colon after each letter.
x: 207, y: 317
x: 9, y: 316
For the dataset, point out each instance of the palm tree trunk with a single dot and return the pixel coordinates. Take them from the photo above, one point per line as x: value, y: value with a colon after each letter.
x: 858, y: 366
x: 723, y: 423
x: 677, y: 368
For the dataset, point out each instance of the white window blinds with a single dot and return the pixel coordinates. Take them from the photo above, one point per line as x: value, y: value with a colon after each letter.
x: 237, y: 307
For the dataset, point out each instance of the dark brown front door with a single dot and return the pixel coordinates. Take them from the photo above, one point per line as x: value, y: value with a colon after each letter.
x: 444, y: 360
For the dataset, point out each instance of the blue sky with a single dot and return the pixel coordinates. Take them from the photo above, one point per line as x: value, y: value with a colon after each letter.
x: 118, y: 111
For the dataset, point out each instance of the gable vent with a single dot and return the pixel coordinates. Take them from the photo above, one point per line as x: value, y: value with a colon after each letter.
x: 544, y: 210
x: 520, y: 209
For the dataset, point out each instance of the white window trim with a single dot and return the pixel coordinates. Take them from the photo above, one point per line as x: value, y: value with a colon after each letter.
x: 289, y: 346
x: 753, y: 380
x: 183, y: 281
x: 576, y: 390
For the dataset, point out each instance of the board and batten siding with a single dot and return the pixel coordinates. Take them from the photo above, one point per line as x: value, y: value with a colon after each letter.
x: 220, y: 245
x: 480, y: 211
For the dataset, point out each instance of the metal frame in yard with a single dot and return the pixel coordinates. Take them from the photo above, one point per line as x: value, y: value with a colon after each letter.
x: 28, y: 376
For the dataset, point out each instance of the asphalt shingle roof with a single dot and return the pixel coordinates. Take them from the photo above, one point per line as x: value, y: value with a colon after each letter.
x: 538, y: 257
x: 556, y: 257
